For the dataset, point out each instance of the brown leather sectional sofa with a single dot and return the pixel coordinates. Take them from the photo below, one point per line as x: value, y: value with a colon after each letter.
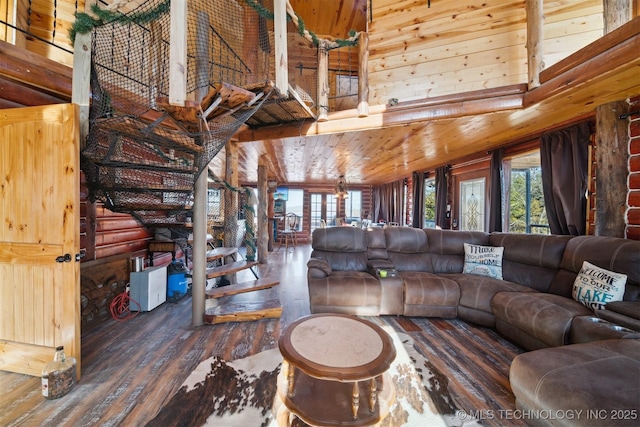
x: 580, y: 360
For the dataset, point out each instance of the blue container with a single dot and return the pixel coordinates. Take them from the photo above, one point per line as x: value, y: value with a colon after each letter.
x: 176, y: 280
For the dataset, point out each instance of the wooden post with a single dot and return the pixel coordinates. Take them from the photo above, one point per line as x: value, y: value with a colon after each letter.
x: 201, y: 190
x: 81, y: 80
x: 231, y: 197
x: 178, y: 53
x: 323, y: 82
x: 612, y: 139
x: 363, y: 74
x: 616, y: 13
x: 263, y: 220
x: 81, y: 83
x: 535, y: 38
x: 280, y: 36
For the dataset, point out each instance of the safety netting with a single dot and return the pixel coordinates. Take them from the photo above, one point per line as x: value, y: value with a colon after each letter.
x: 144, y: 150
x: 144, y: 153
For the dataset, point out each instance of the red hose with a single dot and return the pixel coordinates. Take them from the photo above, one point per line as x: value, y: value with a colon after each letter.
x: 121, y: 307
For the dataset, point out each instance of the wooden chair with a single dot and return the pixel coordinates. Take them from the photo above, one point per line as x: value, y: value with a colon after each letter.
x: 289, y: 235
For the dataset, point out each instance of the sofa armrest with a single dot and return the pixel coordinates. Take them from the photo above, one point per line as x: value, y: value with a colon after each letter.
x: 627, y: 308
x: 623, y: 313
x: 319, y: 268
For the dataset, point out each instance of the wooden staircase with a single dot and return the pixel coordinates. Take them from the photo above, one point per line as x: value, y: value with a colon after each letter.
x: 239, y: 302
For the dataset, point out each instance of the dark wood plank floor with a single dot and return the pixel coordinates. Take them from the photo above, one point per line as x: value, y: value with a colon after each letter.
x: 131, y: 368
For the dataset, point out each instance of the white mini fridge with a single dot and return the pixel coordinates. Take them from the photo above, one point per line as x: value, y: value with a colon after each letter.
x: 148, y: 288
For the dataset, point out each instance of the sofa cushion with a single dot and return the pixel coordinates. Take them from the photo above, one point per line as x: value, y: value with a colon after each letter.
x: 349, y: 292
x: 546, y: 317
x: 614, y: 254
x: 345, y: 248
x: 429, y: 295
x: 408, y: 248
x: 483, y: 260
x: 530, y: 259
x: 594, y: 287
x: 476, y: 292
x: 595, y: 380
x: 447, y: 248
x: 376, y: 243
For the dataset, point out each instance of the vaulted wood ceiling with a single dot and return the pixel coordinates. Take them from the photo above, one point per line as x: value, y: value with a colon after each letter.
x: 432, y: 124
x: 420, y: 135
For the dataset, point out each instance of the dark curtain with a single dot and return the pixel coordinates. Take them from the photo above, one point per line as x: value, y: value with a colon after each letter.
x: 506, y: 177
x: 564, y: 163
x: 495, y: 191
x: 418, y: 199
x: 442, y: 187
x: 388, y: 201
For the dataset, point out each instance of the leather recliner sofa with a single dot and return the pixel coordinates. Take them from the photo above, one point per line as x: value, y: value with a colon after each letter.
x: 532, y: 305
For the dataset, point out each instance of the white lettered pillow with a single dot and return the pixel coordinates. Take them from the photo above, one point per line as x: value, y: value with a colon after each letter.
x: 483, y: 260
x: 595, y: 287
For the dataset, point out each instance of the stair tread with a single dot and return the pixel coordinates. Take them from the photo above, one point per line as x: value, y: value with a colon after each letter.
x: 240, y: 308
x: 238, y: 288
x: 221, y: 252
x: 229, y: 268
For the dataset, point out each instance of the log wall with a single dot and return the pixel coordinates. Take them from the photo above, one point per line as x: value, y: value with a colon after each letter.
x: 633, y: 193
x: 418, y: 52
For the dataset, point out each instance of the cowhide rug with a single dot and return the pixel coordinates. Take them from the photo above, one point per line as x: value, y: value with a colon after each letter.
x: 241, y: 393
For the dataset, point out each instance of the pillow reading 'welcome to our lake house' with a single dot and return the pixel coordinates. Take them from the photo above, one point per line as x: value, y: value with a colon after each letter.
x: 483, y: 260
x: 595, y: 287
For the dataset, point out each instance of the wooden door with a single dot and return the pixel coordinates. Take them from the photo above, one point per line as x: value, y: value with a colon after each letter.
x: 39, y: 209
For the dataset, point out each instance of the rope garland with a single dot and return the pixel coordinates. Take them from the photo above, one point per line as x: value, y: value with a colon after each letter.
x: 85, y: 23
x: 293, y: 17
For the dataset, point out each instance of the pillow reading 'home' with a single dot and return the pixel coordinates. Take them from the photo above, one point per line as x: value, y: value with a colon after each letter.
x: 483, y: 260
x: 595, y: 287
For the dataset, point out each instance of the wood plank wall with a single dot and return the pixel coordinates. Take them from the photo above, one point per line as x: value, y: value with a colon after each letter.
x: 446, y: 52
x: 40, y: 22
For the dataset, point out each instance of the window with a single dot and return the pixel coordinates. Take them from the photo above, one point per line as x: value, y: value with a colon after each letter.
x: 526, y: 211
x: 323, y: 207
x: 353, y: 207
x: 316, y: 210
x: 295, y: 204
x: 429, y: 203
x: 472, y: 201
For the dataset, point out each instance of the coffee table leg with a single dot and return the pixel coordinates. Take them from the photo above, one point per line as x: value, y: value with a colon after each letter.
x: 355, y: 399
x: 373, y: 393
x: 290, y: 379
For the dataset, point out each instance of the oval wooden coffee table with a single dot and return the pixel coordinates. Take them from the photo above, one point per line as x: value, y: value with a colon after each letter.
x: 334, y: 371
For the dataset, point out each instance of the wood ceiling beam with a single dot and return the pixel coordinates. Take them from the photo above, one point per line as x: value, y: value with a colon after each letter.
x: 450, y: 106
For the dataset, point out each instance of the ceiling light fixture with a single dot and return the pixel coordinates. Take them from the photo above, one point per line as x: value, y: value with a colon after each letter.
x: 342, y: 188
